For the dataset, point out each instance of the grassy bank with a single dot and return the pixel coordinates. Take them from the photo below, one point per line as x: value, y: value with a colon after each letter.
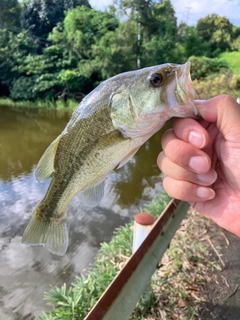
x: 176, y: 284
x: 212, y: 85
x: 225, y: 81
x: 216, y: 84
x: 56, y: 104
x: 76, y: 302
x: 233, y: 61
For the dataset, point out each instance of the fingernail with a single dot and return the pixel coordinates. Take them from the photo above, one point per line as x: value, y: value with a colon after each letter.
x: 199, y: 164
x: 199, y: 101
x: 205, y: 193
x: 209, y: 177
x: 196, y: 139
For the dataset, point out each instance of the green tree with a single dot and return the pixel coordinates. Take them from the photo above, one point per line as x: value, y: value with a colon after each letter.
x: 140, y: 11
x: 192, y: 44
x: 70, y: 66
x: 82, y: 38
x: 40, y: 16
x: 38, y: 75
x: 5, y: 63
x: 165, y: 19
x: 10, y: 13
x: 217, y: 31
x: 236, y: 42
x: 161, y: 46
x: 24, y: 73
x: 115, y: 51
x: 14, y: 48
x: 156, y: 27
x: 203, y: 66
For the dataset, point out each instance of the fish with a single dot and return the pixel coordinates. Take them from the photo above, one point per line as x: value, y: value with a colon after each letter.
x: 105, y: 131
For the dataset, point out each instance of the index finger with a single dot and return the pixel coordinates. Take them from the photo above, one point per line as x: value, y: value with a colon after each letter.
x: 225, y: 112
x: 191, y: 131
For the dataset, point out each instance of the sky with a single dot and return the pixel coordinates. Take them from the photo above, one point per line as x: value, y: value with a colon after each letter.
x: 190, y: 11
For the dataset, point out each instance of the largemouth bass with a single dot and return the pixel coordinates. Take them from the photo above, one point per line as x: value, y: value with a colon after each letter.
x: 105, y: 131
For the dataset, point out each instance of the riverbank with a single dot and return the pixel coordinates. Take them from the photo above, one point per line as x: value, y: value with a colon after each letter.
x: 46, y: 104
x: 178, y: 284
x: 216, y: 84
x: 212, y: 85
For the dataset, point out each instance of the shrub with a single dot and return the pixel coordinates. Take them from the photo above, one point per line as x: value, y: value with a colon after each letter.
x: 203, y: 66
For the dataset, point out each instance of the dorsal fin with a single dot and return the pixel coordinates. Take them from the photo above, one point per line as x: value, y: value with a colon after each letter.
x: 45, y: 165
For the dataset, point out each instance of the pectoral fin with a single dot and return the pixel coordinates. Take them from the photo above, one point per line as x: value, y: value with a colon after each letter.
x: 128, y: 157
x: 92, y: 196
x: 45, y: 165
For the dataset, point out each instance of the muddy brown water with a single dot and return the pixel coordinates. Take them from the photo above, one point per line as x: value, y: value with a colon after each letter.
x: 27, y: 272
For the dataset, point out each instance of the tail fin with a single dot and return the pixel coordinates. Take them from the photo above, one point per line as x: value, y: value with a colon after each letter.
x: 54, y: 236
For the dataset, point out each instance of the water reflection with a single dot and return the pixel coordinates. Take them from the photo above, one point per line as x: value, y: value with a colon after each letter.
x: 23, y: 138
x: 26, y: 272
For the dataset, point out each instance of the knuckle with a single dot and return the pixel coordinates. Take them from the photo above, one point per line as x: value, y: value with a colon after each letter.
x: 227, y: 99
x: 167, y: 136
x: 183, y: 127
x: 183, y: 193
x: 167, y: 187
x: 178, y: 152
x: 179, y: 189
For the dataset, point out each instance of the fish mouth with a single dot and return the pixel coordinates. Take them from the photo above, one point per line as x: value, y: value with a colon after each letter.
x: 184, y: 91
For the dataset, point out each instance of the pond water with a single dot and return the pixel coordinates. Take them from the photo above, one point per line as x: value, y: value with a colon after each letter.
x: 27, y: 272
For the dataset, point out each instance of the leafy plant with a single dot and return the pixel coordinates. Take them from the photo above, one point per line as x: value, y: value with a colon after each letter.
x: 175, y: 285
x: 77, y: 301
x: 203, y: 66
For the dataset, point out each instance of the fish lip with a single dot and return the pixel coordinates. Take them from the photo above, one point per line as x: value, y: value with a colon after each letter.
x: 185, y: 93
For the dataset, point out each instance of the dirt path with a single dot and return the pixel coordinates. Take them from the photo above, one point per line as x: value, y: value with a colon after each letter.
x: 199, y: 277
x: 222, y: 291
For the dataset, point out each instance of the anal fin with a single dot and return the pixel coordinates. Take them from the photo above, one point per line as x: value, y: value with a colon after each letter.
x: 92, y: 196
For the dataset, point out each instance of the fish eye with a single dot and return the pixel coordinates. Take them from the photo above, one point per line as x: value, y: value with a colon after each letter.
x: 156, y: 80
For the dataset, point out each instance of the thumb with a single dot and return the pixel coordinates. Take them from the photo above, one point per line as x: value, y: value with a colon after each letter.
x: 223, y: 110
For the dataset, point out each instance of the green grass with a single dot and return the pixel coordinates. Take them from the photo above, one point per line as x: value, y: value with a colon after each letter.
x: 233, y: 60
x: 48, y: 104
x: 77, y: 301
x: 183, y: 269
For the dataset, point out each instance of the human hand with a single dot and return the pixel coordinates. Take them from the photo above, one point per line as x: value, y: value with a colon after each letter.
x: 201, y: 161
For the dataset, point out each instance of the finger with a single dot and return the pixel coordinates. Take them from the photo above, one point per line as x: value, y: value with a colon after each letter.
x: 223, y: 110
x: 187, y: 191
x: 184, y: 154
x: 190, y: 130
x: 178, y: 173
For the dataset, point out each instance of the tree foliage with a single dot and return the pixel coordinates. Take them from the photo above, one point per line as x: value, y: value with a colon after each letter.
x: 10, y: 13
x: 216, y: 30
x: 191, y: 42
x: 66, y: 48
x: 203, y: 66
x: 83, y: 41
x: 40, y: 16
